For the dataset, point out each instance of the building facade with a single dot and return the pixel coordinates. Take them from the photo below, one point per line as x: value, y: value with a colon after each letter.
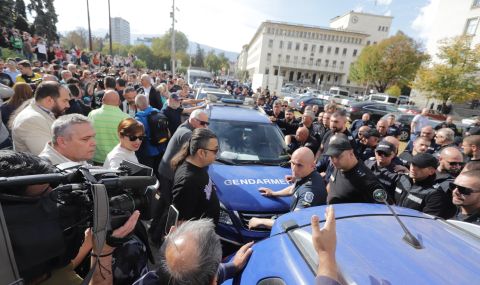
x: 120, y: 31
x: 310, y: 55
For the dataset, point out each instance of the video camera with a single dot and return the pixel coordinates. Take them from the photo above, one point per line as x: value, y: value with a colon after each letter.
x: 46, y: 232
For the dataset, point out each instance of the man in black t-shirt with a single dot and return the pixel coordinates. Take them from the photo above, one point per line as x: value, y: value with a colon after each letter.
x: 300, y: 139
x: 173, y: 111
x: 351, y: 181
x: 337, y: 126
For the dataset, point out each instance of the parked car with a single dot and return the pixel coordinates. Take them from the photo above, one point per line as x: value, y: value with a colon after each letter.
x: 436, y: 115
x: 215, y: 93
x: 471, y: 120
x: 409, y: 109
x: 371, y: 249
x: 403, y: 121
x: 305, y: 101
x: 382, y: 98
x: 376, y: 110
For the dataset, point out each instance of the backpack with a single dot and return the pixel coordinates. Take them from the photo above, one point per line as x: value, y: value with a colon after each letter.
x: 158, y: 123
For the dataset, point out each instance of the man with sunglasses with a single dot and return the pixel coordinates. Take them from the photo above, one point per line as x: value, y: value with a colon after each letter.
x: 417, y: 191
x: 471, y: 147
x: 466, y: 196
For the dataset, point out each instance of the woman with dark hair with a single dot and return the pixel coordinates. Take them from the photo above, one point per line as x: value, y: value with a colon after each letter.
x: 192, y: 191
x: 22, y: 92
x: 131, y: 133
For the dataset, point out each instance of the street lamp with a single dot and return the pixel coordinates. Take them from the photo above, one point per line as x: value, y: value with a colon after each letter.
x: 89, y: 29
x: 110, y: 27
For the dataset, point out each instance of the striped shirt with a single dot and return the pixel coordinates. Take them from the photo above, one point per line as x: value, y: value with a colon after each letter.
x: 105, y: 121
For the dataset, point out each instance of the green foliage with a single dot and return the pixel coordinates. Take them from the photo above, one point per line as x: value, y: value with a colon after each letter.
x: 45, y: 20
x: 199, y: 57
x: 162, y: 47
x: 393, y: 61
x: 78, y: 38
x: 139, y: 64
x: 144, y: 53
x: 8, y: 53
x: 216, y: 63
x: 455, y: 77
x: 6, y: 12
x: 394, y: 90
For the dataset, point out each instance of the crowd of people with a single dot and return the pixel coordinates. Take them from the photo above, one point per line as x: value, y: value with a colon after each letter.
x: 69, y: 110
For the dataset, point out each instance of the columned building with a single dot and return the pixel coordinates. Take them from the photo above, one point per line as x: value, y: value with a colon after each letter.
x: 310, y: 55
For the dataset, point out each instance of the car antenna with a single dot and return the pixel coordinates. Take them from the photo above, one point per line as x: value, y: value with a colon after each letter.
x: 380, y: 195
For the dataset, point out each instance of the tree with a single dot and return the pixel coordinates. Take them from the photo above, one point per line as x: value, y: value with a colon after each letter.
x: 45, y: 18
x: 138, y: 63
x: 6, y: 12
x: 144, y: 53
x: 199, y: 57
x: 78, y: 38
x: 20, y: 16
x: 394, y: 90
x: 162, y: 47
x: 216, y: 63
x: 455, y: 76
x: 393, y: 61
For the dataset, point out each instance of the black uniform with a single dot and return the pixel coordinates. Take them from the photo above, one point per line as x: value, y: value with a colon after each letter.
x: 406, y: 157
x: 367, y: 153
x: 311, y: 143
x: 386, y: 175
x: 393, y: 130
x: 353, y: 186
x: 422, y: 196
x: 309, y: 191
x: 473, y: 218
x: 288, y: 128
x: 315, y: 131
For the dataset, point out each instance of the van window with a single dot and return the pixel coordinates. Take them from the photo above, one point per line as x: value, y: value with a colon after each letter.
x: 333, y: 91
x: 392, y: 100
x: 344, y: 93
x: 377, y: 98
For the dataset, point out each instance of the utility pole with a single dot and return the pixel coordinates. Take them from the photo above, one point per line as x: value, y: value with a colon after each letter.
x: 89, y: 29
x: 110, y: 27
x: 172, y: 15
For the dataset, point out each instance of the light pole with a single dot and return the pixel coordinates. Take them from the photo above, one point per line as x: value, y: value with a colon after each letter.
x: 110, y: 27
x: 89, y: 29
x: 172, y: 14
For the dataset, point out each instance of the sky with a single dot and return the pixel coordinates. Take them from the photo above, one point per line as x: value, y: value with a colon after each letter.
x: 229, y: 24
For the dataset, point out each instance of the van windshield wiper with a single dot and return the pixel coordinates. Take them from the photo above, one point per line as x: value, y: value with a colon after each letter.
x: 259, y: 162
x: 225, y: 161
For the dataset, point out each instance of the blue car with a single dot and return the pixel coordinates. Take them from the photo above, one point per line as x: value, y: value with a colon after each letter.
x: 370, y: 249
x: 252, y: 155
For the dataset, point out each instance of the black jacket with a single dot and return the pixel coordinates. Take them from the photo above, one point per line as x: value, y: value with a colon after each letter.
x: 153, y: 97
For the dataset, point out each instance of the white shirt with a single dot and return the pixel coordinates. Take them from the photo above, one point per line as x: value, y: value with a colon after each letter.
x: 117, y: 155
x: 420, y: 122
x: 42, y: 48
x: 147, y: 90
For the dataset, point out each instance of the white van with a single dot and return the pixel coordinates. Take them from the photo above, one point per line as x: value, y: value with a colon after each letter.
x: 383, y: 98
x: 198, y: 76
x: 338, y: 91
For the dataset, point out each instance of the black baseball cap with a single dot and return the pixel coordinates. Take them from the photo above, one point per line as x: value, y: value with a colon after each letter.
x: 386, y: 147
x: 337, y: 145
x: 424, y: 160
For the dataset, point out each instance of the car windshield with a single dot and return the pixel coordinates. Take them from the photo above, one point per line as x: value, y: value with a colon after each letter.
x: 214, y: 96
x: 249, y: 142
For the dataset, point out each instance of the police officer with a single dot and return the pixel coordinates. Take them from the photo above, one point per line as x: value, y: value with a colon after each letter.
x: 383, y: 167
x: 337, y: 126
x: 351, y: 181
x: 393, y: 130
x: 289, y: 124
x: 308, y: 190
x: 308, y: 118
x: 466, y: 195
x: 420, y: 145
x: 370, y: 141
x: 416, y: 190
x: 364, y: 121
x: 301, y: 138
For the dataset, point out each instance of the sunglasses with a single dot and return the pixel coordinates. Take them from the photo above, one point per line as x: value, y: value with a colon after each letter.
x: 215, y: 151
x: 134, y: 138
x: 203, y: 123
x: 382, y: 153
x: 462, y: 190
x: 454, y: 163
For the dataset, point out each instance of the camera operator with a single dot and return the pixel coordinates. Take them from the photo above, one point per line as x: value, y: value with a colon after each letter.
x: 74, y: 141
x: 44, y: 252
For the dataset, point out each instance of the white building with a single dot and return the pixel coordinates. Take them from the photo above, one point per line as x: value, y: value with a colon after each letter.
x: 120, y: 31
x: 449, y: 19
x: 310, y: 55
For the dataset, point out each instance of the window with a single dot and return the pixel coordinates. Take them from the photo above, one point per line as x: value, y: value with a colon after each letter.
x: 287, y: 59
x: 279, y: 57
x: 326, y: 63
x: 310, y: 61
x: 280, y: 45
x: 344, y: 52
x: 269, y: 56
x: 318, y: 62
x: 368, y: 43
x: 386, y: 29
x: 471, y: 26
x: 267, y: 71
x: 379, y: 28
x: 337, y: 50
x: 342, y: 64
x: 320, y: 49
x: 305, y: 47
x: 295, y: 59
x: 275, y: 72
x: 289, y: 47
x: 334, y: 64
x: 297, y: 46
x: 270, y: 43
x: 476, y: 4
x: 355, y: 52
x: 329, y: 50
x: 303, y: 60
x: 313, y: 48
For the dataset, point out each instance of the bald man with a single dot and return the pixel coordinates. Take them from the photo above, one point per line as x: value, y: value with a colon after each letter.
x: 105, y: 121
x: 302, y: 138
x: 308, y: 190
x: 451, y: 161
x: 154, y: 97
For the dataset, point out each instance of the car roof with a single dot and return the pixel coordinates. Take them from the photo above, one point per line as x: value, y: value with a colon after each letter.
x: 242, y: 113
x: 365, y: 103
x: 302, y: 218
